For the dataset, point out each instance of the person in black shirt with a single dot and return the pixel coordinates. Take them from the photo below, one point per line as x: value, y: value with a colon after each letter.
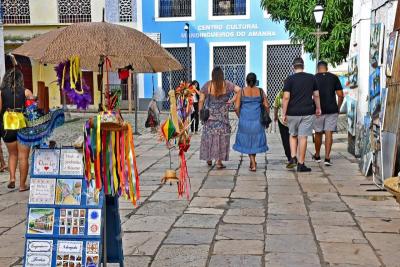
x: 329, y: 87
x: 300, y: 106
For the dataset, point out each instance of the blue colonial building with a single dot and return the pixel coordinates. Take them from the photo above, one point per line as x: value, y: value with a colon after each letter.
x: 236, y: 35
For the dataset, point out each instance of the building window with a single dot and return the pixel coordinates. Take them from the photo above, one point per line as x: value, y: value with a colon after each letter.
x: 175, y: 8
x: 125, y: 11
x: 171, y: 80
x: 15, y: 12
x: 279, y: 66
x: 74, y: 11
x: 232, y: 60
x: 229, y: 7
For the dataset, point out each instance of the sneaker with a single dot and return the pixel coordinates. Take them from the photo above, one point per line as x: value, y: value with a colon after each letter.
x: 303, y: 168
x: 292, y: 163
x: 328, y: 162
x: 316, y: 159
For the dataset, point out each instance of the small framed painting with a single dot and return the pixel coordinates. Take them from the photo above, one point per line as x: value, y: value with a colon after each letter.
x: 391, y: 51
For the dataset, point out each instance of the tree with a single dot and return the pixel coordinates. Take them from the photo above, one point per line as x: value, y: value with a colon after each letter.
x: 298, y: 18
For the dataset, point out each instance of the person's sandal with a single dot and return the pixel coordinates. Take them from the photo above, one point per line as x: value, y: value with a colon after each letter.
x: 220, y: 166
x: 209, y: 163
x: 3, y: 168
x: 11, y: 185
x: 23, y: 189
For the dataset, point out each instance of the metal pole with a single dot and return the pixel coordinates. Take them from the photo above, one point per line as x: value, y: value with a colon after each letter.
x: 136, y: 111
x: 187, y: 56
x: 318, y: 41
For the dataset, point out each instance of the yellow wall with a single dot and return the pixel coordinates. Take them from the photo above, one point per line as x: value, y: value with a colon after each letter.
x: 43, y: 11
x: 48, y: 75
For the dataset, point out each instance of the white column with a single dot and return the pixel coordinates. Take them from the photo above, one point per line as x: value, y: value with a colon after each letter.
x: 2, y: 62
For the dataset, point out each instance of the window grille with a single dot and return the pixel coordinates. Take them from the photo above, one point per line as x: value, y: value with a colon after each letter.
x: 175, y: 8
x: 229, y: 7
x: 232, y: 60
x: 172, y: 80
x: 279, y: 67
x: 125, y: 10
x: 15, y: 12
x: 74, y: 11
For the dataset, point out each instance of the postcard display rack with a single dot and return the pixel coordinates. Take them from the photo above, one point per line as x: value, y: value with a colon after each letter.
x: 64, y: 218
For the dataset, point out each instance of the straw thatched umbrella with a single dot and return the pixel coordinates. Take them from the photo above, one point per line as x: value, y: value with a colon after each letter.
x: 90, y: 41
x: 95, y: 40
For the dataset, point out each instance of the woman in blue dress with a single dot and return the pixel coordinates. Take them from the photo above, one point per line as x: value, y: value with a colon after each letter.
x: 251, y: 138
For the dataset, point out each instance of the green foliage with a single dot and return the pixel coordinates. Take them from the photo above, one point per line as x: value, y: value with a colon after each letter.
x: 298, y: 18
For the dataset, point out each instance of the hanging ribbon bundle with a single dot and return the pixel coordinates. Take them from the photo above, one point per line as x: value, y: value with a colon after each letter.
x: 177, y: 126
x: 110, y: 159
x: 70, y: 79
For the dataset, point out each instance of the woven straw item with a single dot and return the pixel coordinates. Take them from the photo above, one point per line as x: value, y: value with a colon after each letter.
x: 393, y: 186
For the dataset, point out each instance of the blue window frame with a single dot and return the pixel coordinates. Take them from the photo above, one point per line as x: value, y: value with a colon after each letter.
x: 175, y: 8
x: 229, y: 7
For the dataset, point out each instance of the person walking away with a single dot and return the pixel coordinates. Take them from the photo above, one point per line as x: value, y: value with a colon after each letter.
x: 12, y: 89
x: 251, y: 138
x: 300, y: 106
x: 329, y: 87
x: 194, y: 126
x: 215, y: 138
x: 283, y: 128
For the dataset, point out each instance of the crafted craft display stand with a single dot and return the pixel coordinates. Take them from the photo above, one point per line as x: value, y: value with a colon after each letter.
x: 67, y: 217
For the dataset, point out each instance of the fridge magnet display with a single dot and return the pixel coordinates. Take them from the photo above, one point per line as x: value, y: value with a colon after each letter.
x: 72, y: 222
x: 92, y: 194
x: 376, y: 45
x: 71, y: 162
x: 94, y: 221
x: 391, y: 53
x: 69, y: 253
x: 46, y: 162
x: 353, y: 72
x: 38, y: 253
x: 68, y: 192
x: 92, y: 253
x: 42, y: 191
x: 41, y: 221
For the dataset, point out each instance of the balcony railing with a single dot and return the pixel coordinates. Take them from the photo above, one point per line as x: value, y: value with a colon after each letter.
x: 175, y: 8
x: 229, y: 7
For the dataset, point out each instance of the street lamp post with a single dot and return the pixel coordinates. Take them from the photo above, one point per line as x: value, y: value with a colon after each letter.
x: 187, y: 30
x: 318, y: 15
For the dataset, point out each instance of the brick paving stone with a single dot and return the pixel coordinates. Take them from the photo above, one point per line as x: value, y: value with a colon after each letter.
x: 379, y: 225
x: 240, y: 231
x: 282, y: 259
x: 142, y: 261
x: 328, y: 206
x: 138, y: 223
x: 244, y: 219
x: 142, y: 243
x: 323, y: 197
x: 193, y: 210
x: 235, y: 261
x: 207, y: 202
x: 163, y: 208
x: 181, y: 255
x: 190, y: 236
x: 343, y: 234
x: 238, y: 247
x: 291, y: 244
x: 252, y: 212
x: 288, y: 227
x: 198, y: 221
x: 247, y: 203
x: 386, y: 246
x: 249, y: 195
x: 346, y: 253
x: 332, y: 218
x: 214, y: 192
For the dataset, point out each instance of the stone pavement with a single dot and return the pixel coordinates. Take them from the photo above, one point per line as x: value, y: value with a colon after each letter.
x: 330, y: 217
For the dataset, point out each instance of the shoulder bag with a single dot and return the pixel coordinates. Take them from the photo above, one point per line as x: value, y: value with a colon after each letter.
x: 264, y: 116
x: 12, y: 119
x: 205, y: 111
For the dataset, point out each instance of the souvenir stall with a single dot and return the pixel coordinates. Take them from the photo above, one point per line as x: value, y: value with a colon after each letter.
x: 372, y: 114
x: 84, y: 225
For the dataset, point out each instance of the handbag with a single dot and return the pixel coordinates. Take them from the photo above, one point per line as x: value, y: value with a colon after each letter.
x: 12, y: 119
x: 205, y: 111
x: 265, y: 118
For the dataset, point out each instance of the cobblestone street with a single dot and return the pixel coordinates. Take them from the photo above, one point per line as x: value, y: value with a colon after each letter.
x: 332, y: 216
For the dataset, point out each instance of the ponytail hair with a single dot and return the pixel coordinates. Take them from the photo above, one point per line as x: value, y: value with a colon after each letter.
x: 251, y: 79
